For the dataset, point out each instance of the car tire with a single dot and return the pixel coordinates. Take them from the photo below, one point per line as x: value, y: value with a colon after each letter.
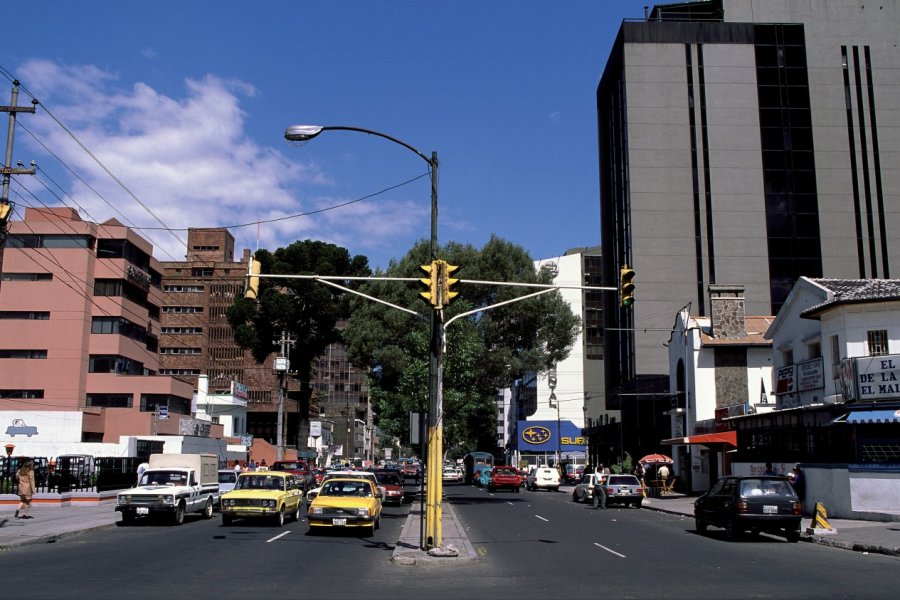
x: 733, y: 531
x: 208, y: 509
x: 699, y: 525
x: 128, y: 517
x: 574, y: 496
x: 793, y: 536
x: 295, y: 516
x: 279, y: 518
x: 227, y: 520
x: 178, y: 515
x: 516, y: 489
x: 639, y: 504
x: 556, y: 489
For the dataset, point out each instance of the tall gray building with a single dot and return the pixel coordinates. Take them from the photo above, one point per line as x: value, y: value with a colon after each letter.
x: 741, y: 143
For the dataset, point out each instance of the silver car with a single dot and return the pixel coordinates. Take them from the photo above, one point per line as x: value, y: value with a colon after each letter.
x: 624, y: 489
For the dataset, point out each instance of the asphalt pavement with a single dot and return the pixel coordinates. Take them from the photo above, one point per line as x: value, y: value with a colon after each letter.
x: 53, y: 523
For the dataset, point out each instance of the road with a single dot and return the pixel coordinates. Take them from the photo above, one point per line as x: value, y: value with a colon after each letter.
x: 531, y: 545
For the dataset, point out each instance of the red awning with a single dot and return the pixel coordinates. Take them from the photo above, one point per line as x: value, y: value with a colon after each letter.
x: 722, y: 437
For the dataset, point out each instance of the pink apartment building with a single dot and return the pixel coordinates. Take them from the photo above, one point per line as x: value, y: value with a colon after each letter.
x: 79, y: 329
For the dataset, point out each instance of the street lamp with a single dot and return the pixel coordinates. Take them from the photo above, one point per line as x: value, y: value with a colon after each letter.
x: 433, y: 515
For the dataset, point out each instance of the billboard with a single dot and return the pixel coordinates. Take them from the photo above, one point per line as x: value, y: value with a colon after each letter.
x: 544, y: 436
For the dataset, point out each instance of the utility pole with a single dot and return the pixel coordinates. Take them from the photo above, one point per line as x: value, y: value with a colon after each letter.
x: 282, y: 365
x: 8, y: 170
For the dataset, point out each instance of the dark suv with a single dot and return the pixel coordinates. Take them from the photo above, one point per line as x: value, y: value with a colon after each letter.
x: 753, y: 504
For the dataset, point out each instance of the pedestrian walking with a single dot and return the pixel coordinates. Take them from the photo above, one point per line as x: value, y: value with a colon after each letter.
x: 600, y: 492
x: 26, y: 487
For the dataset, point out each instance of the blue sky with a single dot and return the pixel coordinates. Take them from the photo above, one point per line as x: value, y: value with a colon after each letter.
x: 185, y: 104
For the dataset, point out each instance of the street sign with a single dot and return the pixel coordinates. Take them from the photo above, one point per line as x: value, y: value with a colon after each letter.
x: 246, y: 440
x: 315, y: 428
x: 163, y: 413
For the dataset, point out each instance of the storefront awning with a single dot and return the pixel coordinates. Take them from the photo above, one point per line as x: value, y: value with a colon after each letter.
x: 721, y: 437
x: 874, y: 416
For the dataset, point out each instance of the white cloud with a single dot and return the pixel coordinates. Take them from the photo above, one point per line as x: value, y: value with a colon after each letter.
x: 191, y: 161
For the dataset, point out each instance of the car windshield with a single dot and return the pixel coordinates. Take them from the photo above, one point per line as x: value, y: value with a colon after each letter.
x: 765, y: 487
x: 227, y: 477
x: 347, y: 488
x: 259, y: 482
x: 164, y: 478
x: 505, y: 471
x: 388, y: 478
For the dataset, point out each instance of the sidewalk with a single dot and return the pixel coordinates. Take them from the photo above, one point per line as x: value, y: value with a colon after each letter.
x: 456, y: 548
x: 851, y: 534
x: 52, y: 523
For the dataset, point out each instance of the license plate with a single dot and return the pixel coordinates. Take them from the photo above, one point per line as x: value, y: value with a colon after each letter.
x: 339, y: 521
x: 768, y: 509
x: 143, y: 510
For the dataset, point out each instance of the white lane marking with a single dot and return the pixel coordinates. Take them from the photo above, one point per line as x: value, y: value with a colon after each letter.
x: 542, y: 518
x: 280, y: 535
x: 508, y: 502
x: 608, y: 550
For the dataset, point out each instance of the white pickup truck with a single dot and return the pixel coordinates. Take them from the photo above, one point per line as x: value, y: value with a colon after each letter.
x: 174, y: 485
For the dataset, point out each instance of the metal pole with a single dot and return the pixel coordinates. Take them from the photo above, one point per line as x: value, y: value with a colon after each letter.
x: 434, y: 491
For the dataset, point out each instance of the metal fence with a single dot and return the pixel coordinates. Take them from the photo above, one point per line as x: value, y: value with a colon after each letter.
x: 78, y: 473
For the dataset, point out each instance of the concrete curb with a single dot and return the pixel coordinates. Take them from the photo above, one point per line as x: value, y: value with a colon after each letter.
x: 408, y: 553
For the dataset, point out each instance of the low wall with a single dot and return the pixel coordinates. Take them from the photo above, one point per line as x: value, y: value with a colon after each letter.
x: 53, y: 500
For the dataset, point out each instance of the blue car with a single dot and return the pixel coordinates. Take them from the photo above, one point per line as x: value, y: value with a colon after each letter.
x: 484, y: 477
x: 477, y: 473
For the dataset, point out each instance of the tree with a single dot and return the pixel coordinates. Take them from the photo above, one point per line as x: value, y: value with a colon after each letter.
x: 305, y: 309
x: 484, y: 352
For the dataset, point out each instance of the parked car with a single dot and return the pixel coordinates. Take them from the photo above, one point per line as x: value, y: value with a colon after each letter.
x: 270, y: 495
x: 344, y: 502
x: 504, y: 478
x: 392, y: 484
x: 477, y: 471
x: 452, y: 475
x: 624, y: 489
x: 584, y: 489
x: 542, y: 478
x: 227, y: 480
x: 299, y: 469
x: 755, y: 504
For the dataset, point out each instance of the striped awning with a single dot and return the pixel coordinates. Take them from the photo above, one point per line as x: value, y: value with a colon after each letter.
x: 874, y: 416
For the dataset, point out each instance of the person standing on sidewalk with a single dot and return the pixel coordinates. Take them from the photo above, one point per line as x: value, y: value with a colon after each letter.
x: 25, y: 489
x: 600, y: 491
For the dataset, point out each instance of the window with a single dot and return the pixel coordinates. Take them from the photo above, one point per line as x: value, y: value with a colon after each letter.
x: 177, y: 330
x: 17, y: 394
x: 109, y: 400
x: 787, y: 357
x: 120, y: 326
x: 180, y: 351
x: 835, y: 356
x: 202, y: 272
x: 27, y: 277
x: 179, y: 371
x: 878, y: 342
x: 108, y: 363
x: 206, y: 248
x: 50, y: 241
x: 182, y: 309
x: 23, y: 354
x: 814, y: 350
x: 182, y: 288
x: 25, y: 315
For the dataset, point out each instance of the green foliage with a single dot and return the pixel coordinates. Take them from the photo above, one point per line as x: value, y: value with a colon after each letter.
x: 484, y: 352
x: 306, y: 310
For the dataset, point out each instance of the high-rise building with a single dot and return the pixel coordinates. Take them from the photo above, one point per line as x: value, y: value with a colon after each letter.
x: 196, y: 338
x: 80, y: 308
x: 746, y: 143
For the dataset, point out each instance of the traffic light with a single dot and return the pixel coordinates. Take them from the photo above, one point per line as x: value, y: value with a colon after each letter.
x: 5, y: 209
x: 252, y: 290
x: 626, y: 286
x: 432, y: 288
x: 447, y: 282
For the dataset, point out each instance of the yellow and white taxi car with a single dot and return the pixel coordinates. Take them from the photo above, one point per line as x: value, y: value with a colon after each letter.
x: 346, y: 502
x: 272, y: 495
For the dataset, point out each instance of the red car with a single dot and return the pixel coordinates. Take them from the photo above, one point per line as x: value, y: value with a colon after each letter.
x: 504, y: 477
x: 393, y: 487
x: 410, y: 470
x: 299, y: 469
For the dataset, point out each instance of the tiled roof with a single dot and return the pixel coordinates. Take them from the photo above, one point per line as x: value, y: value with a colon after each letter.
x: 855, y: 291
x: 756, y: 330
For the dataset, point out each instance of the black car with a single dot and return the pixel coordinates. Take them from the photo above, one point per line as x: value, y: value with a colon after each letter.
x: 755, y: 504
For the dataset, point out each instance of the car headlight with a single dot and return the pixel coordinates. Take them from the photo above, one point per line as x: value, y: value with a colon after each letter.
x: 167, y: 499
x: 124, y: 499
x: 316, y: 510
x: 229, y: 502
x: 271, y: 503
x: 362, y: 512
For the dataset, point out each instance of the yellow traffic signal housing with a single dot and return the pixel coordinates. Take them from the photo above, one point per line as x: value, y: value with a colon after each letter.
x: 252, y: 290
x: 448, y: 282
x: 432, y: 291
x: 626, y: 286
x: 5, y: 209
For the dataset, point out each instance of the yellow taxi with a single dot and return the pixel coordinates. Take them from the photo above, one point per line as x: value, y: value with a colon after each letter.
x: 346, y: 503
x: 271, y: 495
